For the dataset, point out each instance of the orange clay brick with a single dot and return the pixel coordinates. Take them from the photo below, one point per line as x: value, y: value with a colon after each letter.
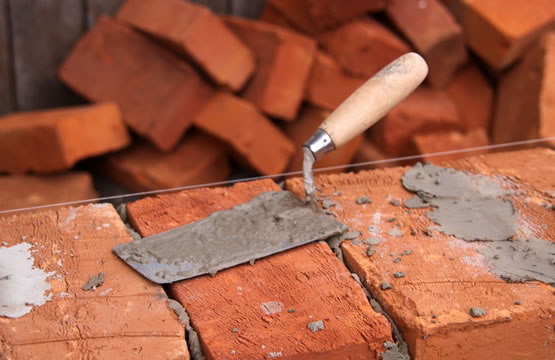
x: 158, y: 93
x: 292, y: 12
x: 525, y: 105
x: 255, y: 140
x: 362, y: 47
x: 50, y: 140
x: 284, y: 60
x: 197, y: 159
x: 445, y: 276
x: 256, y: 299
x: 21, y: 191
x: 434, y: 33
x: 370, y: 152
x: 196, y: 33
x: 272, y: 16
x: 473, y: 96
x: 309, y: 120
x: 423, y: 111
x: 126, y: 317
x: 440, y: 141
x: 328, y: 84
x: 501, y: 31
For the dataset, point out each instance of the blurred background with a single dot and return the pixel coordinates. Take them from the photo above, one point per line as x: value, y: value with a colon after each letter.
x: 110, y: 97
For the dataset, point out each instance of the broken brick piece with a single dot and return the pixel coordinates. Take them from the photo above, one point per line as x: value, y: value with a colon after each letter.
x: 197, y: 159
x: 126, y: 317
x: 310, y: 118
x: 501, y: 31
x: 473, y: 96
x: 50, y: 140
x: 284, y: 60
x: 256, y: 140
x: 329, y: 85
x: 439, y: 141
x: 249, y: 299
x: 444, y: 276
x: 158, y: 93
x: 21, y: 191
x: 435, y: 35
x: 423, y: 111
x: 524, y: 107
x: 197, y: 33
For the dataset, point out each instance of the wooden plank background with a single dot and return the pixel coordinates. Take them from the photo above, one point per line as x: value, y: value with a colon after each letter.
x: 36, y: 35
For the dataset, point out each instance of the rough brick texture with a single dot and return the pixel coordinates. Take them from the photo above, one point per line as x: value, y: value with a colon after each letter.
x: 422, y: 111
x: 435, y: 35
x: 256, y: 141
x: 284, y: 60
x: 157, y: 92
x: 525, y: 105
x: 197, y: 159
x: 301, y: 130
x: 446, y: 276
x: 328, y: 84
x: 248, y: 298
x: 441, y: 141
x: 21, y: 191
x: 51, y: 140
x: 370, y: 152
x: 197, y: 33
x: 362, y: 47
x: 501, y: 31
x: 126, y: 317
x: 473, y: 96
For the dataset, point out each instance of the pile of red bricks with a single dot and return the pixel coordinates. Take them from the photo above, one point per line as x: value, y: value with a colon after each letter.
x: 198, y: 90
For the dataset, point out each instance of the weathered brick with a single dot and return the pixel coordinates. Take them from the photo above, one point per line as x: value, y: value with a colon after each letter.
x: 440, y: 141
x: 51, y: 140
x: 158, y: 93
x: 434, y: 33
x: 328, y: 84
x: 501, y: 31
x: 369, y: 151
x: 362, y: 47
x: 126, y: 317
x: 473, y: 96
x: 255, y: 140
x: 21, y: 191
x: 284, y: 60
x: 524, y: 107
x: 422, y: 111
x: 445, y: 276
x: 256, y: 299
x: 196, y: 33
x: 309, y: 120
x: 197, y: 159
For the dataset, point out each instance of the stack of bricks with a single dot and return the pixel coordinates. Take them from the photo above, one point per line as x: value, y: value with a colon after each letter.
x: 181, y: 96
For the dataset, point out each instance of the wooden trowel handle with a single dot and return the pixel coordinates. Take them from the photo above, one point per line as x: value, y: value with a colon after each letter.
x: 373, y: 100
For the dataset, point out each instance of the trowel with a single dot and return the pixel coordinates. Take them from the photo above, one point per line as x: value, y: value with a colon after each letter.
x: 274, y: 221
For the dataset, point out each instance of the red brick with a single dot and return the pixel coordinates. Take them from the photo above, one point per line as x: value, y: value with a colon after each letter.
x: 525, y: 106
x: 362, y: 47
x: 473, y: 96
x: 158, y: 93
x: 272, y: 16
x: 440, y: 141
x: 256, y: 141
x: 435, y: 35
x: 434, y: 284
x: 197, y: 33
x: 501, y: 31
x: 197, y: 159
x: 328, y: 84
x: 51, y: 140
x: 294, y: 12
x: 424, y: 110
x: 21, y: 191
x: 309, y: 120
x: 310, y: 279
x: 284, y: 60
x: 126, y: 317
x: 369, y: 151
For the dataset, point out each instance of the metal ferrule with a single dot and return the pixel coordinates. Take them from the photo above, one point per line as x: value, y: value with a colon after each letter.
x: 320, y: 144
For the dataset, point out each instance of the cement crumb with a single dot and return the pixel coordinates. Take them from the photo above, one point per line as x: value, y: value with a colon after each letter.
x: 416, y: 202
x: 316, y: 326
x: 406, y: 252
x: 386, y: 286
x: 337, y: 193
x: 291, y: 310
x: 327, y: 203
x: 396, y: 232
x: 356, y: 241
x: 275, y: 354
x: 395, y: 202
x: 518, y: 302
x: 363, y: 200
x: 370, y: 252
x: 391, y: 219
x: 394, y: 352
x: 94, y: 282
x: 351, y: 235
x: 477, y: 312
x: 397, y: 260
x: 235, y: 330
x: 373, y: 240
x: 399, y: 274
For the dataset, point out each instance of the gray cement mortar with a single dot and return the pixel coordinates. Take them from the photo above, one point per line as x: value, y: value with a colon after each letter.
x: 94, y: 282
